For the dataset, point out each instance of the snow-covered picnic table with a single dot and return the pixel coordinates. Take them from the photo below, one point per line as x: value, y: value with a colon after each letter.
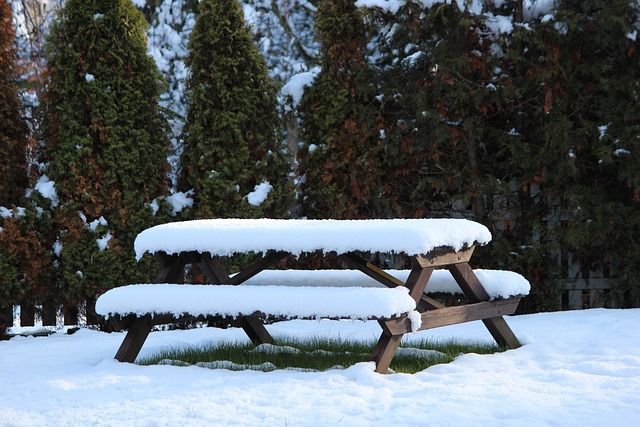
x: 399, y: 303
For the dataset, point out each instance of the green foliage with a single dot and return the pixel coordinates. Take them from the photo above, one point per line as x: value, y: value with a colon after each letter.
x: 340, y: 162
x: 106, y: 142
x: 578, y: 88
x: 531, y: 132
x: 232, y: 139
x: 13, y: 131
x: 13, y: 177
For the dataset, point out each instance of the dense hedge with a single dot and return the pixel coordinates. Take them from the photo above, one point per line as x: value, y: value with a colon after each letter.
x: 13, y: 177
x: 527, y: 123
x: 106, y: 143
x: 233, y: 145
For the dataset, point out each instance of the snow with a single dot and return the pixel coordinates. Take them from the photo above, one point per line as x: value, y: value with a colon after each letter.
x: 497, y: 283
x: 290, y: 302
x: 228, y: 236
x: 259, y: 193
x: 578, y: 368
x: 103, y: 242
x: 179, y: 201
x: 296, y: 85
x: 297, y: 293
x: 48, y: 189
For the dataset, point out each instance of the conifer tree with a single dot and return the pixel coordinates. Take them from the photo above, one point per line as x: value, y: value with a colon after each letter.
x: 106, y: 142
x: 13, y: 131
x: 340, y: 163
x: 233, y: 154
x: 582, y: 124
x: 13, y: 180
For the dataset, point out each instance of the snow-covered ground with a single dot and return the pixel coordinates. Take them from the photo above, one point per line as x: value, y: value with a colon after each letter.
x: 579, y: 368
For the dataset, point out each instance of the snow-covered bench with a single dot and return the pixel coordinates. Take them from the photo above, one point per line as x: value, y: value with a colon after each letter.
x: 399, y: 302
x: 337, y: 294
x: 168, y: 302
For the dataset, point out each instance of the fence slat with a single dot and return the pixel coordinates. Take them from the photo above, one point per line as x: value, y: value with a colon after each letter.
x: 27, y: 314
x: 48, y: 314
x: 70, y: 315
x: 6, y: 318
x: 90, y: 310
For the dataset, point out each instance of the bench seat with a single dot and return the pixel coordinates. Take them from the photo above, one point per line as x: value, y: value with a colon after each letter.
x: 497, y: 283
x: 277, y: 301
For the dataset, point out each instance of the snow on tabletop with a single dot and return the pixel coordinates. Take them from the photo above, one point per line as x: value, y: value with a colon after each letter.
x: 222, y: 237
x: 497, y: 283
x: 352, y: 302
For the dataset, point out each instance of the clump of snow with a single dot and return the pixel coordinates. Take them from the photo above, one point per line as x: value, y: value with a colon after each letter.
x: 294, y: 88
x: 57, y: 248
x: 103, y: 242
x: 499, y: 24
x: 259, y: 193
x: 93, y: 225
x: 48, y: 189
x: 89, y: 77
x: 179, y: 201
x: 416, y: 320
x: 228, y: 236
x: 291, y: 302
x: 5, y: 212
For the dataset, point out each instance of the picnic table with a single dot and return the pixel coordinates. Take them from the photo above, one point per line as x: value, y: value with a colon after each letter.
x: 400, y: 306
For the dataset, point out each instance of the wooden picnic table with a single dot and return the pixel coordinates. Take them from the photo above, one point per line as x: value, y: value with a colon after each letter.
x: 430, y: 243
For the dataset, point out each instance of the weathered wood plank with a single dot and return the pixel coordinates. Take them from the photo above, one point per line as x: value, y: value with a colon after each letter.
x: 134, y: 340
x: 70, y: 314
x: 171, y: 267
x: 255, y: 330
x: 501, y: 332
x: 213, y: 269
x: 27, y: 314
x: 384, y: 351
x: 428, y: 303
x: 418, y: 279
x: 49, y: 314
x: 445, y: 256
x: 453, y: 315
x: 468, y: 282
x: 473, y: 289
x: 248, y: 272
x: 6, y: 318
x: 371, y: 270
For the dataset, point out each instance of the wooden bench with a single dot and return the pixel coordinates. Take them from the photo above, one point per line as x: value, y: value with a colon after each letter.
x: 430, y: 244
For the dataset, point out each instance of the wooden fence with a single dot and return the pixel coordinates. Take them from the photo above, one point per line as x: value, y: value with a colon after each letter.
x: 25, y: 315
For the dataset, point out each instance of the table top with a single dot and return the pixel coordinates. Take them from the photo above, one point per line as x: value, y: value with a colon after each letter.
x: 222, y: 237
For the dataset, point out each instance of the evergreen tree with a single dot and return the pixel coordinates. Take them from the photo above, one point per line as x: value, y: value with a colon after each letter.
x: 454, y: 142
x: 13, y: 131
x: 340, y: 162
x: 583, y: 120
x: 232, y: 142
x: 106, y: 143
x: 13, y: 179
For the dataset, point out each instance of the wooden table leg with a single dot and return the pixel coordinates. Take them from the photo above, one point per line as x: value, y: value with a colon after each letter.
x: 171, y: 267
x: 384, y: 351
x: 216, y: 274
x: 388, y: 343
x: 473, y: 289
x: 135, y: 338
x: 255, y: 330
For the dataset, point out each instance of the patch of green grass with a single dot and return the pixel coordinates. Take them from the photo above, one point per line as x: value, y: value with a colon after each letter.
x: 312, y: 355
